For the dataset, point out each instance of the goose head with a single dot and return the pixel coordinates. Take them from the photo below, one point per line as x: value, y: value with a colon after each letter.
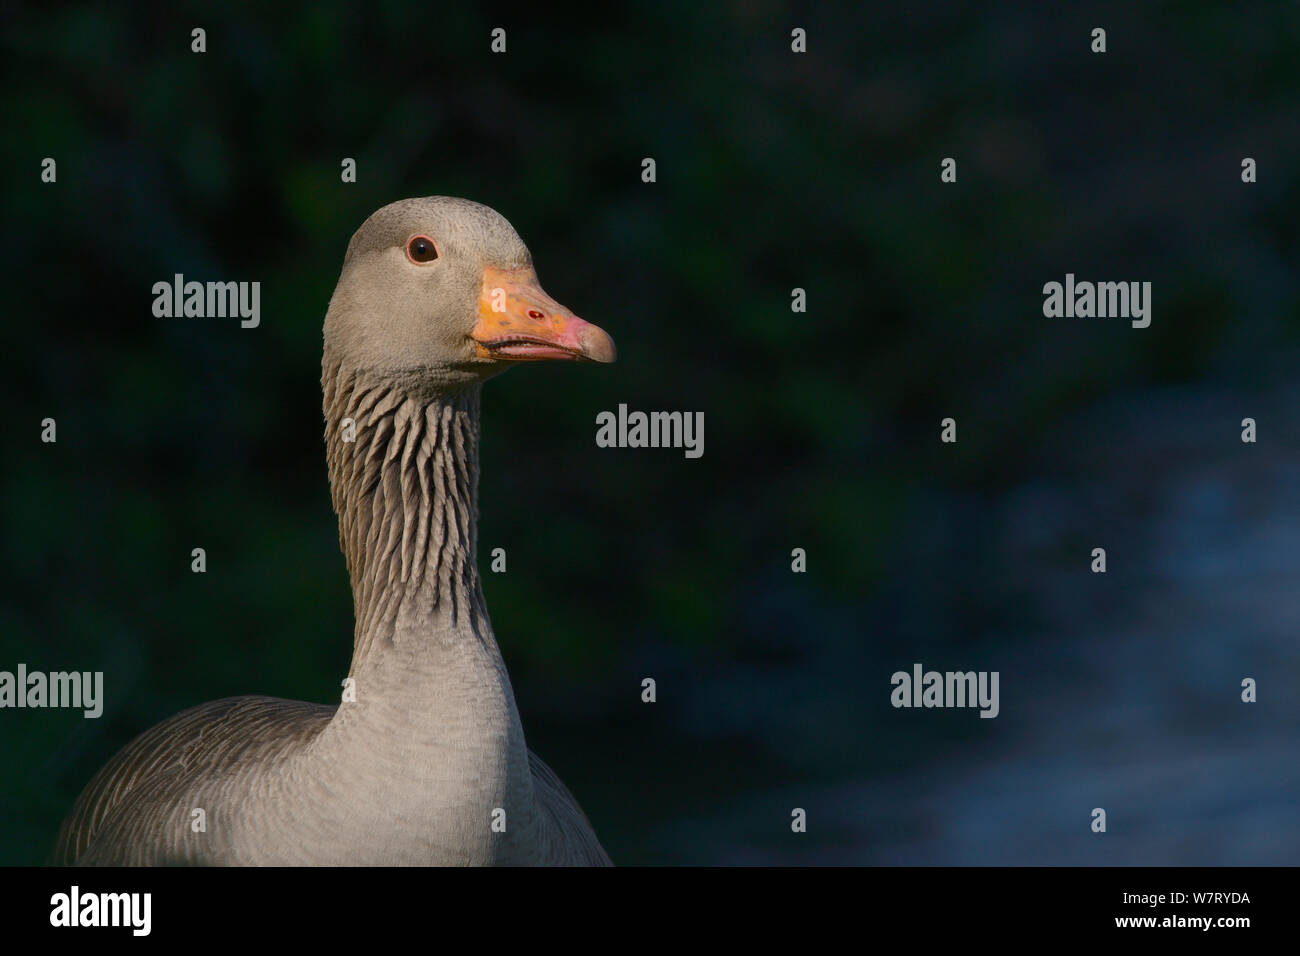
x: 442, y: 292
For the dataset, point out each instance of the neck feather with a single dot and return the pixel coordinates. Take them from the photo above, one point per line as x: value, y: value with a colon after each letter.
x: 406, y: 492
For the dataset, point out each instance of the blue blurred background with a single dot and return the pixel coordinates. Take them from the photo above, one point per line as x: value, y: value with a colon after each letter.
x: 775, y: 170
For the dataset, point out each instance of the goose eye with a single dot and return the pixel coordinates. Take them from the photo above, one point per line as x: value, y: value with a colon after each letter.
x: 421, y: 249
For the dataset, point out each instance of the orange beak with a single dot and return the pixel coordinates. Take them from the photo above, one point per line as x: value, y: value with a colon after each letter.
x: 519, y: 322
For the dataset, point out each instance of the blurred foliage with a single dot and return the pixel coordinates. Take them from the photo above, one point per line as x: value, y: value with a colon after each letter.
x: 774, y: 171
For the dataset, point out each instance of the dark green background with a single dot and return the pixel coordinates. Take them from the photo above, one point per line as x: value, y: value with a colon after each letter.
x: 775, y: 170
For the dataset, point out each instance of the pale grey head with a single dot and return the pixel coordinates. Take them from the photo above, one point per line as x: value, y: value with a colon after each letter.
x: 442, y: 292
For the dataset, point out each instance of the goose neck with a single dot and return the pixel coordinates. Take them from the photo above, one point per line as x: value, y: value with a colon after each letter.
x: 403, y: 469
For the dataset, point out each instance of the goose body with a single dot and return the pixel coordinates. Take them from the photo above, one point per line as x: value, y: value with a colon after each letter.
x: 424, y: 761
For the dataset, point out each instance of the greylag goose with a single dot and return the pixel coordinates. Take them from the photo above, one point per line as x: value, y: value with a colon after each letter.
x: 424, y: 760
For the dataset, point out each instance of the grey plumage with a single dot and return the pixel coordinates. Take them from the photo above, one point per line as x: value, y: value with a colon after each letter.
x: 428, y: 764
